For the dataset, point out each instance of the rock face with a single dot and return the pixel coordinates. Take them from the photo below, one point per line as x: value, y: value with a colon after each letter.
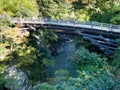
x: 57, y: 48
x: 16, y: 79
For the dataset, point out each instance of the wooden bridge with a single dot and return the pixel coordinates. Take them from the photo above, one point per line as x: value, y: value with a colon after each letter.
x: 102, y: 35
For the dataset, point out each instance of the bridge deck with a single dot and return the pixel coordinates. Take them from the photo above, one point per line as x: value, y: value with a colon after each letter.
x: 74, y: 24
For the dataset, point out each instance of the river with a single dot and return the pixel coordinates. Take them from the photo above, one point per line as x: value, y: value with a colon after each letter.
x: 63, y: 65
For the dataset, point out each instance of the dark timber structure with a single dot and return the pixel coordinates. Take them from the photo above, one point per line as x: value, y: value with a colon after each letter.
x: 102, y: 35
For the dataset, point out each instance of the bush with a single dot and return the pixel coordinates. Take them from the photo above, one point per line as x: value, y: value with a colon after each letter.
x: 1, y: 81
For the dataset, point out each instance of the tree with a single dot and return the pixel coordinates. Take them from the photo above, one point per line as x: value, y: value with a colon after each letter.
x: 19, y: 8
x: 116, y: 61
x: 91, y: 69
x: 115, y: 19
x: 53, y: 8
x: 93, y: 73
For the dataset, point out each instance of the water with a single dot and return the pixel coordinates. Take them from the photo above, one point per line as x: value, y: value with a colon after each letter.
x: 63, y: 65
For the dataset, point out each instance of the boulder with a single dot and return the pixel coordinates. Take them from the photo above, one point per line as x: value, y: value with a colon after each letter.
x: 16, y: 79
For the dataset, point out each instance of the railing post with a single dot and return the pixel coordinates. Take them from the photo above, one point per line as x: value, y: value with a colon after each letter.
x: 110, y: 27
x: 57, y: 21
x: 74, y: 22
x: 49, y: 20
x: 83, y: 24
x: 101, y: 25
x: 92, y: 24
x: 20, y: 19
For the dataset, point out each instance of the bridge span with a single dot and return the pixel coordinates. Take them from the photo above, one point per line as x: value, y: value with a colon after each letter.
x: 102, y: 35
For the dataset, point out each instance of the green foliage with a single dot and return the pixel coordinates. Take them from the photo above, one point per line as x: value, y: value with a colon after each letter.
x: 1, y: 81
x: 44, y: 86
x: 84, y: 57
x: 115, y: 19
x: 62, y: 74
x: 116, y: 61
x: 19, y: 50
x: 85, y: 81
x: 4, y: 23
x: 115, y: 14
x: 2, y: 67
x: 117, y: 54
x: 82, y: 15
x: 48, y: 62
x: 79, y: 42
x: 93, y: 71
x: 28, y: 51
x: 103, y: 16
x: 92, y: 77
x: 25, y: 55
x: 108, y: 11
x: 53, y: 8
x: 49, y: 37
x: 19, y: 7
x: 24, y: 12
x: 116, y: 84
x: 93, y: 74
x: 33, y: 55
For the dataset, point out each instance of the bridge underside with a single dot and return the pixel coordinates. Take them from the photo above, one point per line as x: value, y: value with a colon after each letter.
x: 105, y: 40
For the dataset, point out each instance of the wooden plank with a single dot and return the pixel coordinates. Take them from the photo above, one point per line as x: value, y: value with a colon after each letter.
x: 102, y: 42
x: 103, y: 46
x: 100, y: 38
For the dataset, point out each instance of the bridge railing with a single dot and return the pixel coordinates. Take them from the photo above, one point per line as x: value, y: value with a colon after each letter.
x: 91, y: 24
x: 85, y: 23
